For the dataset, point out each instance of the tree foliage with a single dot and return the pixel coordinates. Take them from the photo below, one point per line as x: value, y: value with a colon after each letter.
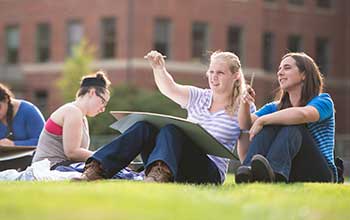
x: 76, y: 66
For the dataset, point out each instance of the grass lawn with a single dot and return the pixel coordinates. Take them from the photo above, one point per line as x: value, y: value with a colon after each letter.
x: 138, y: 200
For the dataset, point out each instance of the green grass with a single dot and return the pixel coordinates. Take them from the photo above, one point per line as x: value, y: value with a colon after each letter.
x: 138, y: 200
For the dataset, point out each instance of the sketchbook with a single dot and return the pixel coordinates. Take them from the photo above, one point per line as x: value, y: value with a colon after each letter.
x: 13, y: 152
x: 197, y: 133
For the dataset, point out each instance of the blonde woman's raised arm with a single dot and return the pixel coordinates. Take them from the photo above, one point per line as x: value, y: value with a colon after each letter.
x: 165, y: 82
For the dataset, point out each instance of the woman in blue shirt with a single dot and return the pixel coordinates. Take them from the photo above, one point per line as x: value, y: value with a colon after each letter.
x: 291, y: 139
x: 20, y: 121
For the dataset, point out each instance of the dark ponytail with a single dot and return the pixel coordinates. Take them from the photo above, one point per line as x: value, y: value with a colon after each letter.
x: 6, y: 95
x: 9, y: 120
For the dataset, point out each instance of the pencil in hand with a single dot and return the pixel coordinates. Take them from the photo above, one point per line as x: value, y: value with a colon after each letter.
x: 146, y: 57
x: 252, y: 80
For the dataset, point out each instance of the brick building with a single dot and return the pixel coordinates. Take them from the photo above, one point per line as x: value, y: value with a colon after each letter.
x: 37, y: 35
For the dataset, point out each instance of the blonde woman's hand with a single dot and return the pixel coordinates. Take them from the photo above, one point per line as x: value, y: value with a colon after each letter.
x: 248, y: 96
x: 155, y: 59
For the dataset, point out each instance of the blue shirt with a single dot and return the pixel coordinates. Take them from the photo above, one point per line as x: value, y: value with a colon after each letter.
x: 322, y: 130
x: 26, y: 125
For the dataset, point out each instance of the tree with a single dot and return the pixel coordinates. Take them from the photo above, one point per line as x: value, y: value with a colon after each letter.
x: 76, y: 66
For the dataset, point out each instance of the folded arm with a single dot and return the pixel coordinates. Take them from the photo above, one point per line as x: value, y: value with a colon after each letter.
x: 289, y: 116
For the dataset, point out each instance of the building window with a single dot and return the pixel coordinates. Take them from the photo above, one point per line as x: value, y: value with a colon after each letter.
x: 296, y: 2
x: 323, y: 54
x: 12, y: 44
x: 43, y: 40
x: 162, y: 36
x: 200, y: 40
x: 41, y: 98
x: 74, y: 35
x: 268, y: 51
x: 324, y: 4
x: 108, y: 38
x: 294, y: 43
x: 235, y: 40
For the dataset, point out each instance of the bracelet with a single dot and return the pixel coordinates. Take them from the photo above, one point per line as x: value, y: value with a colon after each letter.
x: 245, y: 131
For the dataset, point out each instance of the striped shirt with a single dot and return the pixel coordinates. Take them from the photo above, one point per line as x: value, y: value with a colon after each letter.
x: 322, y: 130
x: 220, y: 125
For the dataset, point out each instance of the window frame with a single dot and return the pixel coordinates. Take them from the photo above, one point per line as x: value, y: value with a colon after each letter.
x: 40, y: 43
x: 204, y: 41
x: 163, y: 25
x: 12, y: 57
x: 108, y: 41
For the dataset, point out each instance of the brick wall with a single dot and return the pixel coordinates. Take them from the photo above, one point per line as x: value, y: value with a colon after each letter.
x: 254, y: 16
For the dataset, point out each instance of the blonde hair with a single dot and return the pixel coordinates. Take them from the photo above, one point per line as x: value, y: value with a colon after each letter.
x: 239, y: 85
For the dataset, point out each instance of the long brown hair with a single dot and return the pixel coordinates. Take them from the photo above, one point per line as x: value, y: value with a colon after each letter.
x: 312, y: 85
x: 239, y: 86
x: 6, y: 95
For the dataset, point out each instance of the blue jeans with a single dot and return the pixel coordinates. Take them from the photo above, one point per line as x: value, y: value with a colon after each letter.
x: 169, y: 144
x: 291, y: 152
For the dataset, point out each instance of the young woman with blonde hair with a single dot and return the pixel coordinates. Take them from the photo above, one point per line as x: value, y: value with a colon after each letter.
x: 168, y: 154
